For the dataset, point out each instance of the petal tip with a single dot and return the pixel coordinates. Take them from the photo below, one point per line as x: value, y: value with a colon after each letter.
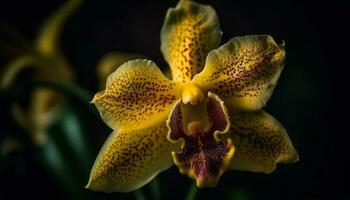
x: 269, y: 171
x: 88, y: 186
x: 292, y: 158
x: 297, y: 156
x: 283, y: 45
x: 91, y: 186
x: 205, y: 181
x: 95, y: 185
x: 97, y: 96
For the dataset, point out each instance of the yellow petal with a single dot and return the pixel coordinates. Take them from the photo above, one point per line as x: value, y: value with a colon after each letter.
x: 260, y: 141
x: 189, y: 32
x: 244, y: 71
x: 137, y: 95
x: 47, y: 40
x: 110, y: 62
x: 130, y: 159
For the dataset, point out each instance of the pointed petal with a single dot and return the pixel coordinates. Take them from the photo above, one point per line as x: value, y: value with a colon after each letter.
x: 261, y: 142
x: 47, y: 40
x: 205, y: 153
x: 189, y: 32
x: 130, y: 159
x: 137, y: 95
x: 244, y: 71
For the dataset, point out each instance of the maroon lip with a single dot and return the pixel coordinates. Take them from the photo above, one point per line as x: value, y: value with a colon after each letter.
x: 202, y: 156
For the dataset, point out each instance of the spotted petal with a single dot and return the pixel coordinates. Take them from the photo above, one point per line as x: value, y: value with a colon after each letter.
x: 244, y: 71
x: 189, y: 32
x: 137, y: 95
x: 261, y: 142
x: 130, y: 159
x: 110, y: 62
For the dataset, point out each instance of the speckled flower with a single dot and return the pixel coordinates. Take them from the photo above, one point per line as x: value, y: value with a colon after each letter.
x: 207, y: 119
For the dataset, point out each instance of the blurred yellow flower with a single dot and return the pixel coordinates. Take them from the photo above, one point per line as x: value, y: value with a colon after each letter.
x: 207, y: 119
x: 47, y: 62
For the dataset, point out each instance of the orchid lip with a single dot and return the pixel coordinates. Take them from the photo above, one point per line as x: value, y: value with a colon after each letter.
x: 203, y: 155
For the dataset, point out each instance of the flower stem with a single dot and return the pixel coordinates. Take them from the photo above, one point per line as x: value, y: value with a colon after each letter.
x: 192, y: 192
x: 155, y: 189
x: 139, y: 195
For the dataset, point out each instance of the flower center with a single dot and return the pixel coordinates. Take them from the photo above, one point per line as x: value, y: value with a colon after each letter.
x: 198, y: 121
x: 191, y: 93
x: 195, y: 127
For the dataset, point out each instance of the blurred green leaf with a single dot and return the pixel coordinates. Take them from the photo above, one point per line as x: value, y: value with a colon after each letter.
x: 67, y: 152
x: 139, y: 195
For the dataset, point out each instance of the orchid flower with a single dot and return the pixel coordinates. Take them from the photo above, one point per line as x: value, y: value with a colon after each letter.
x: 206, y: 120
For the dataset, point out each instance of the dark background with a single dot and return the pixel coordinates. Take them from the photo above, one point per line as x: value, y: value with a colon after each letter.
x: 309, y: 100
